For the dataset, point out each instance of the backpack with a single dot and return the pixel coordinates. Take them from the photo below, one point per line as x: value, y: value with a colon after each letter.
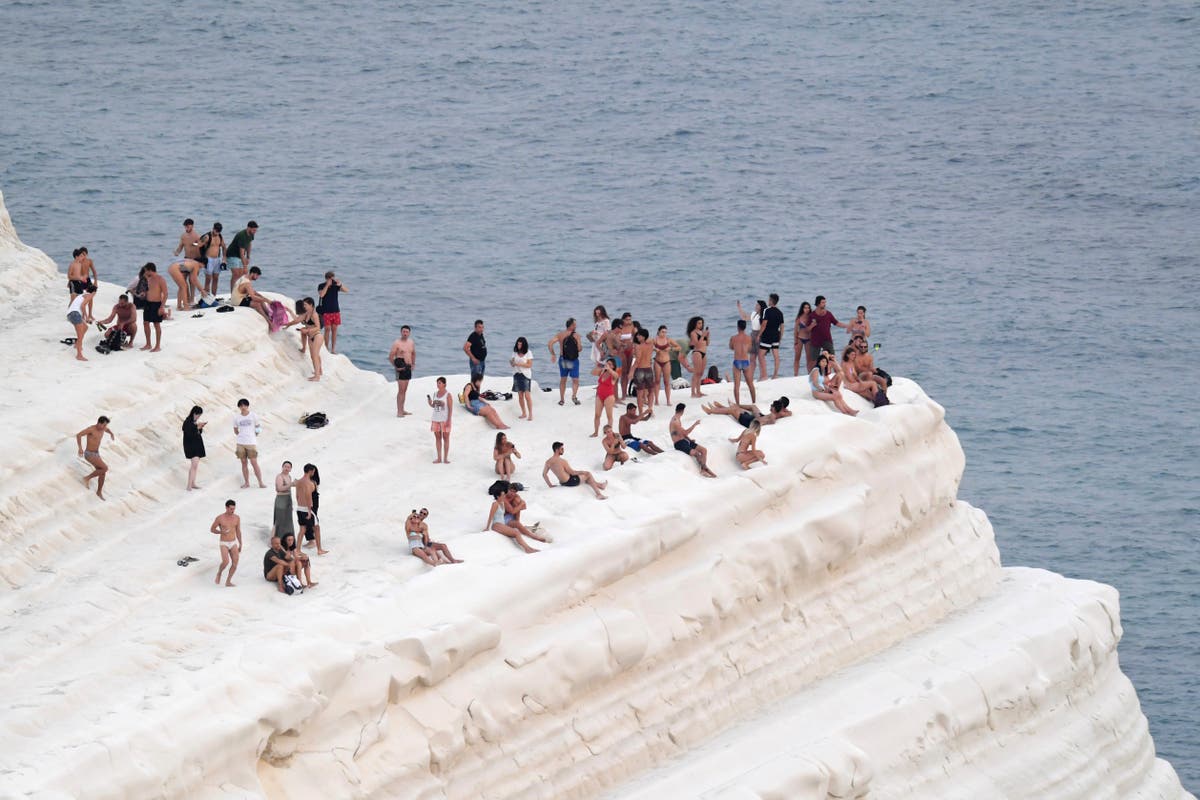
x: 292, y: 585
x: 570, y: 348
x: 114, y: 339
x: 317, y: 419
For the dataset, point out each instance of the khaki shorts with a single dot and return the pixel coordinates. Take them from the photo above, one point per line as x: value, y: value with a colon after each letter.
x: 246, y: 451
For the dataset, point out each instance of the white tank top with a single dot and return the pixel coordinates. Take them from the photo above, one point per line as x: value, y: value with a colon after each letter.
x: 76, y: 304
x: 441, y: 413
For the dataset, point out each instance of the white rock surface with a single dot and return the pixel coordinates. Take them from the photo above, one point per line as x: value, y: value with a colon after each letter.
x: 836, y: 624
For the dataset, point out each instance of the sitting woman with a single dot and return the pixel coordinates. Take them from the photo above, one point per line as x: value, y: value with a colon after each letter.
x: 297, y: 558
x: 747, y: 414
x: 824, y: 383
x: 851, y: 379
x: 747, y: 452
x: 502, y: 454
x: 513, y: 529
x: 474, y: 404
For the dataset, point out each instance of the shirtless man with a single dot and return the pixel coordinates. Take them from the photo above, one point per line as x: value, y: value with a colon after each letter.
x: 403, y: 356
x: 229, y: 527
x: 865, y: 362
x: 567, y: 358
x: 614, y: 448
x: 156, y: 295
x: 125, y: 313
x: 625, y: 424
x: 740, y: 344
x: 567, y: 476
x: 276, y: 565
x: 212, y: 245
x: 185, y: 270
x: 304, y: 513
x: 76, y: 273
x: 245, y: 296
x: 419, y: 543
x: 680, y: 436
x: 91, y: 453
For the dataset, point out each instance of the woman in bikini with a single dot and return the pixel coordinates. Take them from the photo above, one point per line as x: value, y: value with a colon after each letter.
x: 625, y: 347
x: 512, y: 529
x: 310, y: 331
x: 800, y: 335
x: 502, y: 454
x: 664, y: 345
x: 823, y: 381
x: 698, y: 340
x: 848, y: 375
x: 606, y: 391
x: 745, y: 414
x: 747, y: 451
x: 860, y: 325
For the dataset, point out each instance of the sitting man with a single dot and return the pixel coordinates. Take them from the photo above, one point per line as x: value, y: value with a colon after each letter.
x: 567, y: 476
x: 125, y: 313
x: 419, y: 543
x: 614, y: 448
x: 276, y: 565
x: 244, y: 294
x: 625, y: 424
x: 686, y: 445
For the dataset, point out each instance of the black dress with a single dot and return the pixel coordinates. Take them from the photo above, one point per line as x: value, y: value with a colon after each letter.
x: 193, y: 439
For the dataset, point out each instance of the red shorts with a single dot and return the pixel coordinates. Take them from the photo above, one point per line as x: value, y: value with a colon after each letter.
x: 439, y: 427
x: 331, y: 319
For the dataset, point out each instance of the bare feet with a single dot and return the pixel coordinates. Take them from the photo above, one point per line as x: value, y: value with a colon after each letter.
x: 262, y: 485
x: 227, y: 583
x: 98, y: 494
x: 311, y: 584
x: 315, y: 378
x: 321, y: 552
x: 156, y: 350
x: 437, y: 461
x: 594, y: 435
x: 280, y: 588
x: 245, y: 485
x: 79, y: 357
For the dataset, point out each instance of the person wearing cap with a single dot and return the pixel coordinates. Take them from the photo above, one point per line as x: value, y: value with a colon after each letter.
x: 237, y: 255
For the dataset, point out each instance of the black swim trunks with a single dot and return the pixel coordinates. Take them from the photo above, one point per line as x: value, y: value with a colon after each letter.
x: 77, y: 287
x: 307, y: 523
x: 685, y: 446
x: 245, y: 302
x: 572, y: 481
x: 152, y: 311
x: 745, y: 418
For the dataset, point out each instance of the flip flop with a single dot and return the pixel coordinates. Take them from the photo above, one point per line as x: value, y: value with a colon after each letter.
x: 182, y: 563
x: 197, y: 315
x: 68, y: 340
x: 575, y: 400
x: 190, y: 559
x: 560, y: 402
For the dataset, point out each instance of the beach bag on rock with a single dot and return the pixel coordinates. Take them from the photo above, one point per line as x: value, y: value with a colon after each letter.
x: 292, y: 585
x: 317, y: 419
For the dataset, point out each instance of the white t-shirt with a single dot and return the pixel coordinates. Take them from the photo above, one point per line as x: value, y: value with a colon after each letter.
x: 523, y: 364
x: 755, y: 322
x: 600, y: 329
x: 441, y: 407
x: 245, y: 424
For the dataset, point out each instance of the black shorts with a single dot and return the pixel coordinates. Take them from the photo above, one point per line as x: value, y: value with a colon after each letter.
x: 571, y: 481
x: 404, y: 373
x: 745, y: 418
x: 245, y: 302
x: 307, y: 523
x: 685, y: 446
x: 77, y: 287
x: 768, y: 345
x: 152, y: 312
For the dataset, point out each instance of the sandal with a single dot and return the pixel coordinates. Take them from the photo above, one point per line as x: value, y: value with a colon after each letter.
x: 68, y: 340
x: 197, y: 315
x: 575, y: 400
x: 181, y: 562
x: 560, y: 402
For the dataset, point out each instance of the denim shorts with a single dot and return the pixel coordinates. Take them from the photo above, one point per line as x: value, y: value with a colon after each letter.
x: 520, y: 382
x: 568, y: 368
x: 233, y: 262
x: 477, y: 369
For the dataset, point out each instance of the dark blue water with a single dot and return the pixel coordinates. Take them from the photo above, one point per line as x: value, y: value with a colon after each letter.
x: 1012, y: 189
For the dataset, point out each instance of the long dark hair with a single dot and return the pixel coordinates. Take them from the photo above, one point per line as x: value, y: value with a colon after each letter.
x: 196, y: 411
x: 522, y: 346
x: 601, y: 311
x: 803, y: 306
x: 692, y: 325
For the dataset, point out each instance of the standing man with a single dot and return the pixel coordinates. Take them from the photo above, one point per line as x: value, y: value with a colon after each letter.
x: 305, y: 516
x: 476, y: 350
x: 76, y: 273
x: 568, y: 360
x: 238, y: 252
x: 772, y: 335
x: 186, y: 269
x: 229, y: 527
x: 440, y: 420
x: 91, y: 453
x: 212, y: 249
x: 403, y: 357
x: 331, y: 312
x: 156, y: 295
x: 740, y: 343
x: 246, y: 427
x: 680, y: 436
x: 821, y: 338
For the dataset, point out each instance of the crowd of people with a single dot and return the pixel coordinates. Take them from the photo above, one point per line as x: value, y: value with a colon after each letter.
x: 627, y: 361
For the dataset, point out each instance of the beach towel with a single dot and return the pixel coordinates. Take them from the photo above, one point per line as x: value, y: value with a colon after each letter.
x: 279, y: 315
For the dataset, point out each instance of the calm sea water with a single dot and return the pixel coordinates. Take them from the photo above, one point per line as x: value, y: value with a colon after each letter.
x: 1012, y: 189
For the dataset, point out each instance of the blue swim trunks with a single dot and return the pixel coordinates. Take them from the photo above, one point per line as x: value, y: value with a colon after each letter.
x: 741, y: 363
x: 633, y: 444
x: 568, y: 368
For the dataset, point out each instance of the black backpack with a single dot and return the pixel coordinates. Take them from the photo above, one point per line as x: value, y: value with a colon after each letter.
x: 317, y: 419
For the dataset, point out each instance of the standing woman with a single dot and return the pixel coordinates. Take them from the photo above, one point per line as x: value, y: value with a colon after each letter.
x: 601, y: 325
x: 663, y: 346
x: 443, y: 407
x: 316, y: 506
x: 310, y: 328
x: 522, y: 363
x: 698, y: 341
x: 193, y: 443
x: 860, y: 325
x: 800, y: 336
x: 502, y: 454
x: 606, y: 391
x: 284, y: 511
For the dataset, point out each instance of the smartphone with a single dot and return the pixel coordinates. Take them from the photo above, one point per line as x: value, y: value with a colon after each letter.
x: 877, y: 345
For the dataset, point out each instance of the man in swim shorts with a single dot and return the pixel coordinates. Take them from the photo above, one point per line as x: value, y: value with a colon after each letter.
x: 331, y: 310
x: 476, y: 350
x: 229, y: 527
x: 237, y: 255
x: 568, y: 360
x: 77, y: 273
x: 625, y: 424
x: 125, y: 313
x: 305, y: 516
x: 680, y: 436
x: 567, y: 476
x: 740, y: 343
x: 156, y: 295
x: 244, y: 295
x: 212, y: 252
x: 403, y: 356
x: 91, y: 453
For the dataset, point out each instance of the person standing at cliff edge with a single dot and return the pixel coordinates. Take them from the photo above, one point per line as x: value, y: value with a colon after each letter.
x: 156, y: 295
x: 237, y: 255
x: 403, y: 356
x: 331, y: 310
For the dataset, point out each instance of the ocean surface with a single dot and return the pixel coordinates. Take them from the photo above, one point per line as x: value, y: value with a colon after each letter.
x: 1012, y: 189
